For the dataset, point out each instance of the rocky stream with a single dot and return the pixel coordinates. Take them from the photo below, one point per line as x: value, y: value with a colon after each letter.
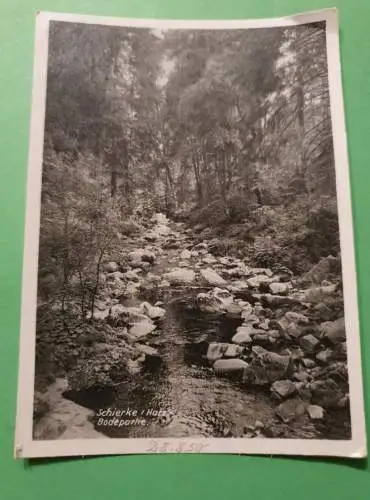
x: 202, y: 345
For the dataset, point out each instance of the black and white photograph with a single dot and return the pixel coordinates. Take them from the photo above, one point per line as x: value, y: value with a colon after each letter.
x: 189, y: 279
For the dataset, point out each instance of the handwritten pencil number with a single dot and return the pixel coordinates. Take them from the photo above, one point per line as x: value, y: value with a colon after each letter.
x: 180, y: 447
x: 153, y: 448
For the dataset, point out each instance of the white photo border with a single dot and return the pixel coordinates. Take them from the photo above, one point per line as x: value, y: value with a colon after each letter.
x: 25, y: 446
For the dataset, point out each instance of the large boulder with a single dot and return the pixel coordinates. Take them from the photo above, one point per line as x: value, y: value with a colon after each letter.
x: 143, y: 265
x: 223, y: 296
x: 230, y: 366
x: 216, y: 351
x: 315, y: 412
x: 153, y: 312
x: 265, y: 340
x: 279, y: 288
x: 133, y: 366
x: 102, y: 347
x: 225, y: 261
x: 233, y: 351
x: 101, y: 314
x: 235, y: 272
x: 298, y: 318
x: 243, y: 335
x: 294, y: 331
x: 309, y: 343
x: 209, y: 259
x: 212, y: 278
x: 290, y: 410
x: 275, y: 301
x: 131, y: 289
x: 319, y: 294
x: 181, y: 276
x: 252, y: 271
x: 251, y: 320
x: 320, y: 271
x: 208, y: 303
x: 184, y: 263
x: 301, y: 376
x: 218, y: 300
x: 40, y: 405
x: 326, y: 393
x: 114, y: 277
x: 147, y: 350
x: 324, y: 356
x: 267, y: 367
x: 303, y: 390
x: 247, y: 296
x: 185, y: 254
x: 142, y: 329
x: 111, y: 267
x: 282, y: 389
x: 171, y: 244
x: 256, y: 281
x: 308, y: 363
x: 160, y: 230
x: 238, y: 286
x: 247, y: 311
x: 132, y: 274
x: 159, y: 218
x: 334, y: 331
x: 65, y: 419
x: 282, y: 273
x: 138, y: 256
x: 322, y: 312
x: 233, y: 310
x: 201, y: 246
x: 129, y: 314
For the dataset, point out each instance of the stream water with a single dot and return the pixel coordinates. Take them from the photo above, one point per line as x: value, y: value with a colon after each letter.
x: 177, y: 393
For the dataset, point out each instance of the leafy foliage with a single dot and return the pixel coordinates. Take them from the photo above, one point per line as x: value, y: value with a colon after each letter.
x: 229, y: 129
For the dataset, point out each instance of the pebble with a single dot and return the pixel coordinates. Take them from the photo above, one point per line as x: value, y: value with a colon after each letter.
x: 309, y: 343
x: 315, y: 412
x: 283, y: 388
x: 324, y: 357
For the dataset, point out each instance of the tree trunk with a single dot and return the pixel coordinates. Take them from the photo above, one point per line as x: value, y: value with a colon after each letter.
x: 301, y: 122
x: 221, y: 176
x: 65, y: 254
x: 113, y: 183
x: 96, y: 286
x: 82, y: 292
x: 170, y: 194
x: 198, y: 181
x: 125, y: 169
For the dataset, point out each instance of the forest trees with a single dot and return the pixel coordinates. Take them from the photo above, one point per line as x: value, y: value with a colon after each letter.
x: 98, y: 79
x: 220, y: 126
x: 223, y: 80
x: 248, y: 112
x: 79, y: 221
x: 299, y: 121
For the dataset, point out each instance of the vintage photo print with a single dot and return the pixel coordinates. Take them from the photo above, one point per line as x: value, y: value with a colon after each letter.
x: 189, y: 278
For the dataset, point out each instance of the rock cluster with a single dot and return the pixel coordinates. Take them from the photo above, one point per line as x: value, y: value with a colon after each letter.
x: 291, y: 338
